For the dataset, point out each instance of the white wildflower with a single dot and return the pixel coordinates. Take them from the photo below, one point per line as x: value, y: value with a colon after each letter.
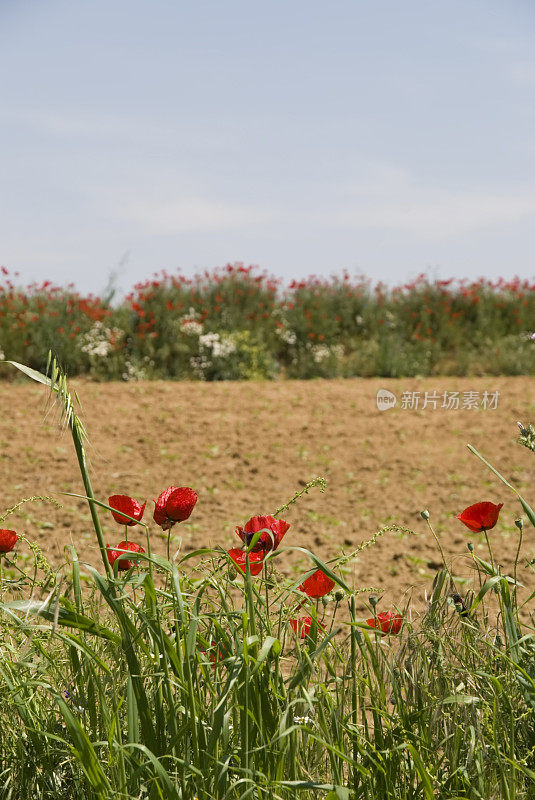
x: 200, y: 364
x: 189, y: 323
x: 287, y: 335
x: 220, y: 346
x: 337, y: 350
x: 191, y: 327
x: 133, y: 372
x: 320, y: 352
x: 97, y: 341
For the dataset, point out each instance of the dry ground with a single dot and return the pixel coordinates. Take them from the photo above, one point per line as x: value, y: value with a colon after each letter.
x: 246, y: 447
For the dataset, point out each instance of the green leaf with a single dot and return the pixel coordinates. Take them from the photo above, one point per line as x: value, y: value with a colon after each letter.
x: 319, y: 565
x: 57, y: 613
x: 271, y: 644
x: 85, y: 753
x: 32, y: 373
x: 461, y: 699
x: 529, y: 511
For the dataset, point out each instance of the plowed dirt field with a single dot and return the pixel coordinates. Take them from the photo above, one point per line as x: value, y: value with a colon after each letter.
x: 247, y: 447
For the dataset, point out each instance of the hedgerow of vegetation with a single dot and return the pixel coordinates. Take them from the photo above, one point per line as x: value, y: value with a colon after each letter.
x: 239, y: 323
x: 212, y: 676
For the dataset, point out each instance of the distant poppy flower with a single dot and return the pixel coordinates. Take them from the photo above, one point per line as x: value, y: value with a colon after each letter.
x: 7, y: 540
x: 126, y: 504
x: 174, y: 505
x: 317, y: 584
x: 115, y: 553
x: 266, y: 541
x: 387, y: 621
x: 216, y: 652
x: 480, y: 516
x: 302, y: 626
x: 256, y: 560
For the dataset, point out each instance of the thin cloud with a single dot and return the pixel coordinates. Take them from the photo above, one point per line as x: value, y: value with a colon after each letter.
x: 191, y: 215
x: 445, y: 217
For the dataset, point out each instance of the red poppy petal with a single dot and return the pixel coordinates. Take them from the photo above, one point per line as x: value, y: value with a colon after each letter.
x: 126, y: 504
x: 301, y: 626
x: 387, y: 621
x: 317, y: 584
x: 270, y: 539
x: 180, y: 503
x: 117, y: 552
x: 160, y: 515
x: 479, y: 516
x: 256, y: 560
x: 8, y: 539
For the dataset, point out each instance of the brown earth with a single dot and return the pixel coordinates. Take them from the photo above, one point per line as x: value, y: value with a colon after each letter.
x: 247, y: 447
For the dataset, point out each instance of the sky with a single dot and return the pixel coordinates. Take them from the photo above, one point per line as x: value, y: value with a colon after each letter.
x: 386, y: 138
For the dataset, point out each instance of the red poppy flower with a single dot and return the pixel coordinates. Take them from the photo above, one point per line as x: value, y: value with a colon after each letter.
x: 387, y: 621
x: 115, y: 553
x: 7, y: 540
x: 317, y: 584
x: 302, y: 626
x: 215, y: 653
x: 256, y: 560
x: 266, y: 542
x: 480, y: 516
x: 174, y: 505
x: 126, y: 504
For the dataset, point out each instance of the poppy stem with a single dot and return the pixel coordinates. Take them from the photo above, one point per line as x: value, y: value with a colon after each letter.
x: 149, y: 553
x: 126, y: 535
x: 437, y: 540
x: 516, y: 562
x: 489, y: 548
x: 264, y: 567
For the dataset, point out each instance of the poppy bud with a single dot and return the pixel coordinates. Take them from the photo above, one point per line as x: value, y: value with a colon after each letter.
x: 339, y: 595
x: 460, y: 605
x: 424, y: 514
x: 519, y: 523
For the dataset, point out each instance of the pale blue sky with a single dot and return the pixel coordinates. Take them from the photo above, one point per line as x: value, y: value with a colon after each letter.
x: 381, y: 136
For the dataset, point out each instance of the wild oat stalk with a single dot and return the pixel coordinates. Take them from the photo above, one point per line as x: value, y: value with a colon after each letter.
x: 56, y: 380
x: 527, y: 436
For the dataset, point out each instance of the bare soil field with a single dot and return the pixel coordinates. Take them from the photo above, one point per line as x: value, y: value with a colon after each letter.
x: 247, y: 447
